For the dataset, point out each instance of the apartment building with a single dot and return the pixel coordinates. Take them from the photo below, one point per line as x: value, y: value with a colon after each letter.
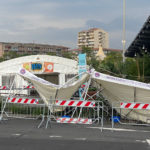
x: 93, y: 38
x: 30, y: 48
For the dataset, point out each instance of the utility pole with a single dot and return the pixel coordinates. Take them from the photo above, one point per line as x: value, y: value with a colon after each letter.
x: 124, y: 30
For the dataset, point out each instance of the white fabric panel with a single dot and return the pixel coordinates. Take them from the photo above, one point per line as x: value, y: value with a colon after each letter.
x: 108, y: 78
x: 45, y: 89
x: 118, y: 89
x: 67, y: 91
x: 49, y: 91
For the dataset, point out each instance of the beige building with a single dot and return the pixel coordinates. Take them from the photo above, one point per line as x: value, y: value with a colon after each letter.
x: 30, y: 48
x: 93, y: 38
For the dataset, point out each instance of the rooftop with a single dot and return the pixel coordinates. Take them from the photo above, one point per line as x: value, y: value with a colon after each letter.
x: 141, y: 43
x: 92, y: 29
x: 37, y: 44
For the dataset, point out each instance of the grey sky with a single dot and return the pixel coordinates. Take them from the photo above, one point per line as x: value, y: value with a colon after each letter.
x: 59, y: 21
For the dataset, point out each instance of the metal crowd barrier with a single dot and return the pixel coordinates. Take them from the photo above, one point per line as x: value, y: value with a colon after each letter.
x: 60, y: 111
x: 127, y: 106
x: 23, y: 108
x: 75, y: 112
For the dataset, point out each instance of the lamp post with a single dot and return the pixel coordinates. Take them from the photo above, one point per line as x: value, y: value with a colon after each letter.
x: 124, y: 30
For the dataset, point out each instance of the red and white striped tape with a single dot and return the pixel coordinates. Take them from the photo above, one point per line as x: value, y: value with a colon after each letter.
x: 83, y: 86
x: 23, y: 100
x: 29, y: 87
x: 75, y: 103
x: 3, y: 87
x: 25, y: 87
x: 74, y: 120
x: 134, y: 106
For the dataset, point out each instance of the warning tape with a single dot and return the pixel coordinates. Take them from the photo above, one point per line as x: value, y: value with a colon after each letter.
x: 23, y: 100
x: 3, y: 87
x: 75, y: 103
x: 29, y: 87
x: 8, y: 88
x: 134, y: 106
x: 74, y: 120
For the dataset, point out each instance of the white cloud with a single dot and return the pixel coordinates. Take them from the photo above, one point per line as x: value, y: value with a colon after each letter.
x: 116, y: 38
x: 39, y: 21
x: 59, y: 21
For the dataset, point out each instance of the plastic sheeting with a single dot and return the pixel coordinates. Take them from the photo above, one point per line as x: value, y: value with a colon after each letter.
x: 117, y: 89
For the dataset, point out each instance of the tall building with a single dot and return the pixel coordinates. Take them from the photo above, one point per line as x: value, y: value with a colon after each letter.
x: 30, y: 48
x: 93, y: 38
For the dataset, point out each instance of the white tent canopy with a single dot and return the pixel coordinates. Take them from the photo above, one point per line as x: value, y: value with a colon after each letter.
x: 114, y: 90
x: 49, y: 91
x: 117, y: 89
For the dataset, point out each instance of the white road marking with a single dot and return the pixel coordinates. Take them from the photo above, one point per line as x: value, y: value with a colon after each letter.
x: 17, y: 134
x: 142, y: 141
x: 55, y: 136
x: 115, y: 129
x: 81, y: 139
x: 148, y: 141
x: 119, y: 129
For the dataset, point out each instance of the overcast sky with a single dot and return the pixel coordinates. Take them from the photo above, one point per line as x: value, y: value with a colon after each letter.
x: 58, y: 21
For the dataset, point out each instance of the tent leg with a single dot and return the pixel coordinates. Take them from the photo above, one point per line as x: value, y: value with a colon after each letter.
x: 43, y: 118
x: 48, y: 118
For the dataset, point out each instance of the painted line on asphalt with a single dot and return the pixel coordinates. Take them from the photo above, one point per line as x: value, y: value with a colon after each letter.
x: 142, y: 141
x: 148, y: 141
x: 16, y: 134
x: 115, y: 129
x: 119, y: 129
x: 55, y: 136
x: 80, y: 139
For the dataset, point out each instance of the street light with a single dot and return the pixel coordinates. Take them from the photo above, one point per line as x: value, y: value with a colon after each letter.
x: 124, y: 30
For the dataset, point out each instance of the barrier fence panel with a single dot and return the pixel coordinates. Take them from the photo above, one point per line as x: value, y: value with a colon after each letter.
x: 23, y: 107
x: 76, y: 112
x: 16, y: 102
x: 128, y: 106
x: 60, y: 111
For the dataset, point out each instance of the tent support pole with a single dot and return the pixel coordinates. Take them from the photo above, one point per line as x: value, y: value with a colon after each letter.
x: 134, y: 94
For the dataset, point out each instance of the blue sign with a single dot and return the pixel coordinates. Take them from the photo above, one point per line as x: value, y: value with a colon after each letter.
x: 36, y: 66
x: 82, y: 68
x: 82, y: 63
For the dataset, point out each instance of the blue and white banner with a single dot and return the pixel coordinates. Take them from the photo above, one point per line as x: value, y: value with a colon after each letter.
x: 82, y: 63
x: 81, y: 69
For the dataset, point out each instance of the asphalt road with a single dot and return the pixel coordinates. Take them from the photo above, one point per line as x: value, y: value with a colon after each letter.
x: 24, y: 135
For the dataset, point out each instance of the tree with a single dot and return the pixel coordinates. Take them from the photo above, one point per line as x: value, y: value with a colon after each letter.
x: 51, y: 53
x: 88, y: 51
x: 69, y: 55
x: 131, y: 69
x: 143, y: 65
x: 91, y: 58
x: 112, y: 63
x: 10, y: 55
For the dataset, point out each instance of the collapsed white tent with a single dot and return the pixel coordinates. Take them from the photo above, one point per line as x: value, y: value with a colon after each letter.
x: 122, y: 90
x: 114, y: 90
x: 49, y: 91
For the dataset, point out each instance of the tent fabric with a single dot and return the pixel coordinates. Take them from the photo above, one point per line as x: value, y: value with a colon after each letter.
x: 117, y: 90
x: 49, y: 91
